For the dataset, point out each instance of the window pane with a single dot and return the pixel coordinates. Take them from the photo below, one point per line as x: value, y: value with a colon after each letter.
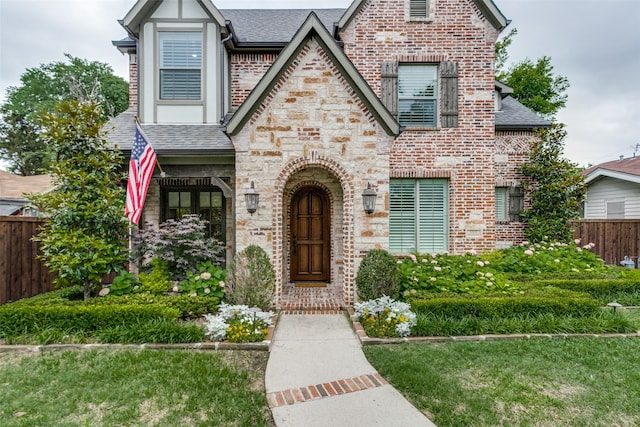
x: 185, y: 199
x: 216, y: 199
x: 417, y: 94
x: 402, y: 217
x: 205, y: 199
x: 180, y: 65
x: 174, y: 199
x: 501, y: 203
x: 433, y: 219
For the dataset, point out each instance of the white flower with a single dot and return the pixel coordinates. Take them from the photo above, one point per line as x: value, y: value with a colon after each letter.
x: 221, y: 284
x: 206, y: 275
x: 175, y: 289
x: 480, y: 263
x: 489, y: 283
x: 437, y: 268
x: 433, y: 279
x: 207, y: 291
x: 556, y: 260
x: 104, y: 292
x: 193, y: 294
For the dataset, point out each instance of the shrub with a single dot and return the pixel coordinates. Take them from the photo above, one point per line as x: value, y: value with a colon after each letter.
x: 385, y: 317
x: 123, y: 284
x: 23, y: 319
x: 152, y: 331
x: 209, y: 282
x: 189, y: 307
x: 238, y: 323
x: 158, y: 281
x: 505, y: 307
x: 182, y: 244
x: 251, y: 278
x: 378, y: 275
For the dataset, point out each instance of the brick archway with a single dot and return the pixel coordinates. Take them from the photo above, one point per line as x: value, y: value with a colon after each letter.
x: 280, y: 204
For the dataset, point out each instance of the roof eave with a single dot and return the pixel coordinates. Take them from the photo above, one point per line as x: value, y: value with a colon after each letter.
x: 493, y: 14
x: 522, y: 127
x: 599, y: 173
x: 144, y: 8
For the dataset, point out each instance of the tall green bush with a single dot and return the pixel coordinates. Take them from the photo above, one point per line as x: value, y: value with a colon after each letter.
x: 378, y: 275
x: 251, y: 279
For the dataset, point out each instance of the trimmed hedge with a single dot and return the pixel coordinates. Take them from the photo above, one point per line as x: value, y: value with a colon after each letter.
x: 189, y: 307
x: 18, y: 319
x: 492, y: 307
x: 598, y: 288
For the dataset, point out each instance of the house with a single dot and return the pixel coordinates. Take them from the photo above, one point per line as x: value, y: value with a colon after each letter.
x: 613, y: 190
x: 14, y: 187
x: 312, y: 108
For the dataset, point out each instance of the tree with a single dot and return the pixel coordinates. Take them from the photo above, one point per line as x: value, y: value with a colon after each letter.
x: 85, y: 233
x: 41, y: 89
x: 533, y: 82
x: 555, y: 186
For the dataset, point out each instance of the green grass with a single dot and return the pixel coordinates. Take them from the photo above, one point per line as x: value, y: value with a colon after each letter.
x: 133, y: 388
x: 536, y: 382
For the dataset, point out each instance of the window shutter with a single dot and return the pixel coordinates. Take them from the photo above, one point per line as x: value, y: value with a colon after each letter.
x: 418, y: 9
x: 516, y: 203
x: 389, y: 87
x: 402, y: 216
x: 449, y: 76
x: 433, y: 219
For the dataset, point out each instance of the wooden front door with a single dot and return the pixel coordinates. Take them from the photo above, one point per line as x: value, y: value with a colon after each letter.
x: 310, y: 235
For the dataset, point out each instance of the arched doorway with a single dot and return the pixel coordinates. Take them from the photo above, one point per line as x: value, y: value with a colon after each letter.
x: 310, y: 236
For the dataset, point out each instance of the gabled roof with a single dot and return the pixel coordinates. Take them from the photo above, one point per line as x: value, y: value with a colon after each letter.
x: 144, y: 8
x: 624, y: 169
x: 177, y: 139
x: 514, y: 116
x: 13, y: 186
x: 278, y: 26
x: 313, y: 27
x: 487, y: 7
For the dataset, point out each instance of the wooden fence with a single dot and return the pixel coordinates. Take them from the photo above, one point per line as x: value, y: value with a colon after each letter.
x: 614, y: 238
x: 22, y: 274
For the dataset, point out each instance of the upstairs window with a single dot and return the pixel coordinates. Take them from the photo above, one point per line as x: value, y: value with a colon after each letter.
x: 417, y: 95
x: 180, y: 65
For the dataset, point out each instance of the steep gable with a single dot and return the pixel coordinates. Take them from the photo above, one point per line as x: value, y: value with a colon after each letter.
x: 313, y: 28
x: 145, y: 8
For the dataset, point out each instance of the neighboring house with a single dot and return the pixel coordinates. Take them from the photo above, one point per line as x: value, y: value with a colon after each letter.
x: 14, y: 187
x: 312, y: 108
x: 613, y: 190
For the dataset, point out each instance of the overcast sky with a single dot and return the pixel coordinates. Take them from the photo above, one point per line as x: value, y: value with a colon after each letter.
x: 594, y: 43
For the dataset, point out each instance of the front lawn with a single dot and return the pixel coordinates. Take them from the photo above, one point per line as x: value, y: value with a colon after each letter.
x: 107, y: 388
x: 541, y: 382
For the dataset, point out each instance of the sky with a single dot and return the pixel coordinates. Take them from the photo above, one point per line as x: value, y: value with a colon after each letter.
x: 594, y: 43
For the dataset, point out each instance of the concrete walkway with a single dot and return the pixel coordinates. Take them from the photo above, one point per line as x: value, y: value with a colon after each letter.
x: 317, y: 375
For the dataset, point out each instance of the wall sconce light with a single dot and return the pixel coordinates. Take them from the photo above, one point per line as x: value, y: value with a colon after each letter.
x: 252, y: 197
x: 369, y: 199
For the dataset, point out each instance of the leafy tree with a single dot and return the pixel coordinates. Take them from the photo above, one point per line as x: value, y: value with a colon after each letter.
x: 84, y: 237
x: 41, y: 89
x: 533, y: 82
x: 555, y: 186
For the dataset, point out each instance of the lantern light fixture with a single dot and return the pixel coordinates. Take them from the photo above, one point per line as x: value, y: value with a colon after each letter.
x: 369, y: 199
x: 252, y: 197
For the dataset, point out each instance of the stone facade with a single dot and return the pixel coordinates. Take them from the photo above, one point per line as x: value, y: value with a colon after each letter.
x: 312, y: 129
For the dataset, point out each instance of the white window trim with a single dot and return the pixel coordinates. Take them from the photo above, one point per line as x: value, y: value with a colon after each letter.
x: 160, y: 67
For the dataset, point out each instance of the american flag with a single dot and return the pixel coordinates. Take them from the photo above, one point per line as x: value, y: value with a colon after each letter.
x: 143, y: 160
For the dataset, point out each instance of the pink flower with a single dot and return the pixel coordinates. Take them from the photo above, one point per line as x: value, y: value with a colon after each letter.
x: 528, y: 252
x: 480, y: 264
x: 412, y: 257
x: 472, y: 251
x: 175, y: 289
x: 577, y: 241
x: 437, y: 268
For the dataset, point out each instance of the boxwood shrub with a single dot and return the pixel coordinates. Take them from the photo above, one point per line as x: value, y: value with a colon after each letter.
x: 18, y: 319
x: 601, y: 289
x: 492, y: 307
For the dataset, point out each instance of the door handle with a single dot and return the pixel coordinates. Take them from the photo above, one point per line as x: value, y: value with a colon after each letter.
x: 295, y: 243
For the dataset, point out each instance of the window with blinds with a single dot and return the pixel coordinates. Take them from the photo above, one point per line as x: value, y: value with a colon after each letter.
x: 501, y: 204
x: 180, y: 65
x: 418, y: 218
x: 417, y: 94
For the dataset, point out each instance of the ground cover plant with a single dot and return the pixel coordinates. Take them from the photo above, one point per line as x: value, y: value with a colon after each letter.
x: 540, y: 381
x: 133, y: 388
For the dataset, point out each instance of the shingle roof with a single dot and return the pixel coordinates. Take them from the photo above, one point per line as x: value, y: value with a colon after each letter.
x: 629, y: 166
x: 13, y: 186
x: 169, y: 139
x: 514, y: 115
x: 275, y: 25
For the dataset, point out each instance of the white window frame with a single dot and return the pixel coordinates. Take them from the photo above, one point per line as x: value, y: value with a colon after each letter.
x: 182, y: 65
x: 418, y: 86
x: 502, y: 204
x: 418, y: 224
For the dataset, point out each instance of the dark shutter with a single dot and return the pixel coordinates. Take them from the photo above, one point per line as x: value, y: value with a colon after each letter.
x: 449, y: 76
x: 516, y: 203
x: 389, y: 87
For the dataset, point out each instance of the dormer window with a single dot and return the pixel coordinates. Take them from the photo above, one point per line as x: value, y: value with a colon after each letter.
x: 180, y: 65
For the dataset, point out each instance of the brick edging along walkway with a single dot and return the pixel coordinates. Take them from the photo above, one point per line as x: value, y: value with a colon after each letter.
x: 320, y: 391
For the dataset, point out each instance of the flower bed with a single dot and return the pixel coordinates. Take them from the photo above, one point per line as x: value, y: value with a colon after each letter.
x: 238, y: 324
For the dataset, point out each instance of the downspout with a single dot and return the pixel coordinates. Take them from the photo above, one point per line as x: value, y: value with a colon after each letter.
x: 222, y: 79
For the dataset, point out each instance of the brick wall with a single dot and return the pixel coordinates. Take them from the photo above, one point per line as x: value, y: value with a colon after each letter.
x: 246, y: 71
x: 133, y: 81
x: 456, y: 32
